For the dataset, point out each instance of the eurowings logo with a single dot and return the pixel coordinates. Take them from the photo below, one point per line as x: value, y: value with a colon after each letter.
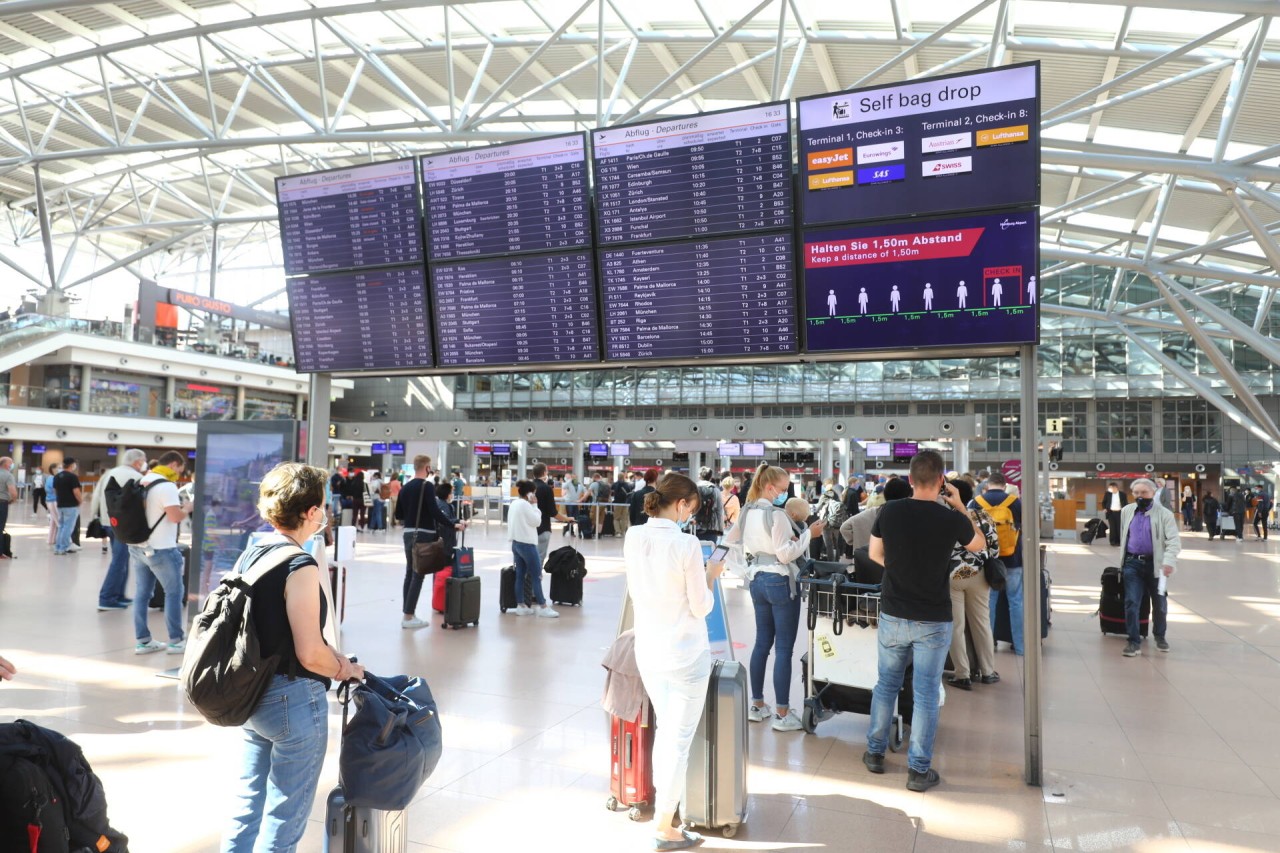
x: 1006, y: 224
x: 880, y: 153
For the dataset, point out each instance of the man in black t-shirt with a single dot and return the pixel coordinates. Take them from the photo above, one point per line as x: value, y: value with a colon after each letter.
x: 66, y: 487
x: 638, y: 515
x: 546, y: 498
x: 913, y: 540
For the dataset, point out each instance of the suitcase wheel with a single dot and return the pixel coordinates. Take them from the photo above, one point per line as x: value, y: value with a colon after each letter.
x: 635, y: 813
x: 808, y: 718
x: 611, y: 804
x: 730, y: 831
x: 444, y: 626
x: 503, y: 609
x: 895, y: 735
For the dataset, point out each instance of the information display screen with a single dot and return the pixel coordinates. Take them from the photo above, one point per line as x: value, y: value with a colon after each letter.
x: 620, y: 448
x: 753, y: 448
x: 363, y: 320
x: 502, y: 449
x: 597, y: 449
x: 397, y: 447
x: 905, y: 449
x: 941, y: 145
x: 365, y: 216
x: 527, y: 309
x: 719, y: 298
x: 524, y: 197
x: 954, y: 282
x: 730, y: 449
x: 717, y: 173
x: 879, y: 450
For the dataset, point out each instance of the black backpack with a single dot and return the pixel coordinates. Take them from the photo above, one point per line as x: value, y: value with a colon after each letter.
x: 45, y: 781
x: 708, y: 503
x: 127, y: 509
x: 567, y: 562
x: 224, y: 673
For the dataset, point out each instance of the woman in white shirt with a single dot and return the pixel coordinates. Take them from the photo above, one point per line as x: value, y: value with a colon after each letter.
x: 523, y: 518
x: 768, y: 548
x: 671, y: 597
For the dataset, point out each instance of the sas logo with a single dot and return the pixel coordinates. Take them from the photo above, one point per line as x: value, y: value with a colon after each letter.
x: 1006, y: 224
x: 840, y: 110
x: 882, y: 174
x: 950, y: 166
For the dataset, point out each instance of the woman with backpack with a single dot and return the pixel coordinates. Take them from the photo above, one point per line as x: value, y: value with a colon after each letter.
x: 286, y: 736
x: 832, y: 512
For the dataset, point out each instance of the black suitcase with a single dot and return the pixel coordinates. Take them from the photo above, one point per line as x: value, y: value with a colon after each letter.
x: 461, y: 602
x: 348, y: 829
x: 565, y: 590
x: 1197, y: 524
x: 608, y: 529
x: 1000, y: 625
x: 6, y: 545
x: 586, y: 528
x: 1093, y: 528
x: 507, y: 589
x: 1111, y: 605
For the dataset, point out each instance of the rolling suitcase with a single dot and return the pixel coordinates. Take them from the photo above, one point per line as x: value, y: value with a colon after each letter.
x: 1000, y: 624
x: 437, y: 588
x: 1111, y: 605
x: 608, y: 529
x: 464, y: 558
x: 461, y: 602
x: 566, y: 590
x: 586, y: 529
x: 631, y: 764
x: 1093, y: 528
x: 348, y: 829
x: 507, y: 589
x: 716, y: 781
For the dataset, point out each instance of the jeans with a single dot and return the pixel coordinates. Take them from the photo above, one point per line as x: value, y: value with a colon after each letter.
x: 1013, y: 590
x: 831, y: 543
x: 1138, y: 582
x: 777, y: 620
x: 544, y: 545
x: 900, y: 642
x: 117, y: 579
x: 677, y: 697
x: 68, y: 520
x: 164, y: 565
x: 284, y: 746
x: 528, y: 571
x: 412, y: 580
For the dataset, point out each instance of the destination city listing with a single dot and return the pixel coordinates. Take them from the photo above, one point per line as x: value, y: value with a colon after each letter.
x: 958, y: 281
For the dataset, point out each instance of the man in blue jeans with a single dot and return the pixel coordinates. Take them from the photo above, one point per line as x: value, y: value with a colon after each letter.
x: 68, y: 495
x: 1149, y: 539
x: 160, y: 559
x: 111, y: 595
x: 996, y: 495
x: 913, y: 540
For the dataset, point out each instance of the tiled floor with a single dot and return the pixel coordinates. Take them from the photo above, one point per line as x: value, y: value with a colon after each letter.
x: 1158, y: 753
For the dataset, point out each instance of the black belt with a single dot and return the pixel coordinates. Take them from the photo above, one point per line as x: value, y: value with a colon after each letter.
x: 1146, y: 558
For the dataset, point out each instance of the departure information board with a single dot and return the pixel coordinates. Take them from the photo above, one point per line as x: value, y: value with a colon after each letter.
x: 954, y: 282
x: 525, y: 197
x: 362, y: 320
x: 528, y: 309
x: 718, y: 173
x: 714, y: 298
x: 365, y: 216
x: 942, y: 145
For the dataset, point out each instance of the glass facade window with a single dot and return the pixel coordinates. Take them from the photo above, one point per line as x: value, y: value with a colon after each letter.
x: 195, y: 402
x: 1125, y: 426
x: 941, y: 409
x: 114, y: 397
x: 1075, y: 423
x: 1191, y: 426
x: 1003, y: 430
x: 880, y: 410
x: 266, y: 406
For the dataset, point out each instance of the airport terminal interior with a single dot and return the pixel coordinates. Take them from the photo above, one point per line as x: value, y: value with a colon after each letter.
x: 609, y: 237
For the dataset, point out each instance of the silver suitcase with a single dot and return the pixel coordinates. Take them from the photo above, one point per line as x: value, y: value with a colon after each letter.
x: 716, y: 781
x: 355, y: 830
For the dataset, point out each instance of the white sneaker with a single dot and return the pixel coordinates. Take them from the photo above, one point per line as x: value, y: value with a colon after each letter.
x: 523, y: 610
x: 789, y: 723
x: 149, y: 647
x: 546, y: 612
x: 415, y: 622
x: 759, y: 713
x: 176, y: 648
x: 73, y: 547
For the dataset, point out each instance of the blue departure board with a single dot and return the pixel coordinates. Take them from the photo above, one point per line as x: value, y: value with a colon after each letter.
x: 360, y: 320
x: 524, y: 197
x: 726, y: 172
x: 949, y: 144
x: 731, y: 296
x: 364, y: 216
x: 524, y: 309
x: 967, y: 281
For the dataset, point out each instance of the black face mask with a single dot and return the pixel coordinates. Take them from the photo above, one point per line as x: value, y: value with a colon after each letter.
x: 1144, y: 504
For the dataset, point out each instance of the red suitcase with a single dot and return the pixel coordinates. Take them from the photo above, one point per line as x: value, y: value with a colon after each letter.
x: 631, y: 776
x: 437, y: 591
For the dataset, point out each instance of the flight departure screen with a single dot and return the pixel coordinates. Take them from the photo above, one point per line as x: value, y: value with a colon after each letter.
x: 362, y: 320
x: 528, y: 309
x: 725, y: 297
x: 523, y: 197
x: 365, y: 216
x: 718, y: 173
x: 941, y: 145
x: 954, y: 282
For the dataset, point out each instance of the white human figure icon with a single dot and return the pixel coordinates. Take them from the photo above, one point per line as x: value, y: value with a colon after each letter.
x: 894, y: 298
x: 928, y: 297
x: 831, y: 303
x: 962, y: 293
x: 1031, y: 291
x: 996, y: 291
x: 862, y: 300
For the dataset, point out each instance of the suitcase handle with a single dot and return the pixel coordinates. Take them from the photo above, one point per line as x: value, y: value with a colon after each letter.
x: 628, y: 754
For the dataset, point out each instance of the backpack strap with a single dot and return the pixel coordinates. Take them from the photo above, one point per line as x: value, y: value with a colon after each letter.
x: 280, y: 552
x: 982, y: 502
x: 1008, y: 502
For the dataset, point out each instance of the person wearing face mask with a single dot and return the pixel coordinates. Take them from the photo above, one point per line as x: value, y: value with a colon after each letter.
x: 523, y: 519
x: 419, y: 513
x: 1150, y: 543
x: 671, y: 596
x: 764, y: 544
x: 284, y: 740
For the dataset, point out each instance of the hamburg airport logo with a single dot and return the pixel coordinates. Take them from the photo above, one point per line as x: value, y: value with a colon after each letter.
x: 840, y: 110
x: 1006, y: 224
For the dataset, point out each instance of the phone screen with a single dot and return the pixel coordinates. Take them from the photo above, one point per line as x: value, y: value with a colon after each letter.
x: 718, y: 554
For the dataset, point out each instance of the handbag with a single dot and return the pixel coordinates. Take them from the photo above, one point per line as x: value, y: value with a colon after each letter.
x: 994, y: 571
x: 391, y: 744
x: 428, y: 557
x: 94, y: 530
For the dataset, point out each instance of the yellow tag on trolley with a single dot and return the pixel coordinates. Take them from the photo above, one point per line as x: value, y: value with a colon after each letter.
x: 823, y: 645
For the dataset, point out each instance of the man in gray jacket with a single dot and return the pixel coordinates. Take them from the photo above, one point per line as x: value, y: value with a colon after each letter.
x: 1150, y: 543
x: 112, y: 594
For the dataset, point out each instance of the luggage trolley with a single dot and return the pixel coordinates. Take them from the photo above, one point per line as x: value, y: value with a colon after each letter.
x: 841, y: 665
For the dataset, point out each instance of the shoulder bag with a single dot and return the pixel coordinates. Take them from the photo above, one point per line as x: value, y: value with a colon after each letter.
x: 428, y: 557
x: 391, y: 744
x: 994, y: 571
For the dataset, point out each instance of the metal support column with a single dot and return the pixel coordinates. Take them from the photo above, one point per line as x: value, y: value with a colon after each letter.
x: 577, y: 463
x: 846, y: 460
x: 240, y: 402
x: 318, y: 420
x: 960, y: 447
x: 695, y: 463
x: 46, y: 230
x: 827, y: 467
x: 86, y: 388
x: 1031, y: 569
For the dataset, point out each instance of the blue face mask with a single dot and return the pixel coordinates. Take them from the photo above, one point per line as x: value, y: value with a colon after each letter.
x: 684, y: 525
x: 780, y: 500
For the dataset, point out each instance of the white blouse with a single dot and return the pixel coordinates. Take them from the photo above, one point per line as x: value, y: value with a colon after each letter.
x: 523, y: 519
x: 765, y: 529
x: 669, y: 594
